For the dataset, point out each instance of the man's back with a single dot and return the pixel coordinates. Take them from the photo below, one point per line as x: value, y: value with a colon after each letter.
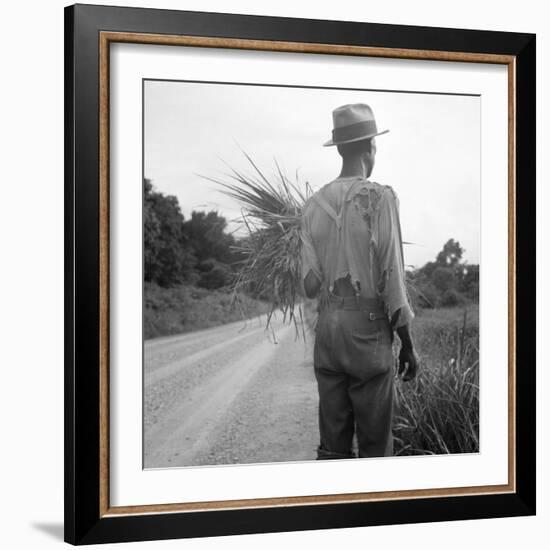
x: 351, y: 233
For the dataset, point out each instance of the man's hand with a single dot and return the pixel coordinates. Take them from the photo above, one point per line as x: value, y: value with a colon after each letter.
x: 408, y: 363
x: 408, y: 360
x: 312, y: 284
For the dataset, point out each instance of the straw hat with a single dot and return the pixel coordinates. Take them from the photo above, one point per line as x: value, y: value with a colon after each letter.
x: 353, y: 123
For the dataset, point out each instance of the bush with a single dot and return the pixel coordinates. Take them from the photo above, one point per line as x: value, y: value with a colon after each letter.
x: 185, y: 308
x: 444, y: 278
x: 422, y: 294
x: 451, y: 298
x: 447, y: 282
x: 438, y: 412
x: 215, y: 275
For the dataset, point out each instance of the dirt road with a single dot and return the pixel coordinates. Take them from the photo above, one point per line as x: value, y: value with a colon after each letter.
x: 233, y: 394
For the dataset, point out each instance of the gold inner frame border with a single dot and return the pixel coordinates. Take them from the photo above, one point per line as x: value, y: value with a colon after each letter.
x: 108, y: 37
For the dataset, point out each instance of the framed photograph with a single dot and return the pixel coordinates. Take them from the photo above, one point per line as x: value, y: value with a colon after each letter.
x: 299, y: 274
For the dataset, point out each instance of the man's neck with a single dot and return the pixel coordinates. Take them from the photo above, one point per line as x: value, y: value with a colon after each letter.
x: 355, y: 167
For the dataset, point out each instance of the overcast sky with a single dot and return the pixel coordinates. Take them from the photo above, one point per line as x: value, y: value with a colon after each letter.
x: 431, y: 156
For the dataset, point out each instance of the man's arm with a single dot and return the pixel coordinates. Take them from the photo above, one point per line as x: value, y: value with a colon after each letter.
x: 392, y: 283
x: 311, y: 269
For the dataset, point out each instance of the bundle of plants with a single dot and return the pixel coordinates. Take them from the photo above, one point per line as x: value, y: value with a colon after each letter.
x: 271, y: 212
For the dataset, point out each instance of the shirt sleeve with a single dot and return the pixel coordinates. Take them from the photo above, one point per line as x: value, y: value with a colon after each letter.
x: 309, y: 259
x: 392, y: 286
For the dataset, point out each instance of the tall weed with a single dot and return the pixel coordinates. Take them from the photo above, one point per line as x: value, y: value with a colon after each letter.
x: 438, y: 412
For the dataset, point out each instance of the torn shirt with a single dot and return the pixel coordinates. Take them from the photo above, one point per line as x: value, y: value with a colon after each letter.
x: 350, y: 228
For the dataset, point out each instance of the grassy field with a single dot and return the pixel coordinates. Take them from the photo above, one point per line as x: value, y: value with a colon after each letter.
x: 438, y: 412
x: 185, y: 308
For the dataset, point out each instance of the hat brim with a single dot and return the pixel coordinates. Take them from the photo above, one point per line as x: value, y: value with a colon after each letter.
x: 330, y: 142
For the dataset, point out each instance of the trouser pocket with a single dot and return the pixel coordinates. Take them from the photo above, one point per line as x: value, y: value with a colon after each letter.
x: 370, y: 345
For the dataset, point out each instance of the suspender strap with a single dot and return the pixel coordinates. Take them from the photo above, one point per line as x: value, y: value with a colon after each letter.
x: 328, y: 209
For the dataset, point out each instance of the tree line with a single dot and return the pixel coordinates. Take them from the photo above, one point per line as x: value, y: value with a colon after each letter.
x: 196, y: 251
x: 448, y: 281
x: 199, y: 251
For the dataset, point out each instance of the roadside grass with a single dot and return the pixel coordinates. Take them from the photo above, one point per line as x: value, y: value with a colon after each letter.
x: 185, y: 308
x: 438, y: 412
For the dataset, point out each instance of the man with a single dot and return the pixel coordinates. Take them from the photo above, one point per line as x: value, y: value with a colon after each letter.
x: 352, y: 260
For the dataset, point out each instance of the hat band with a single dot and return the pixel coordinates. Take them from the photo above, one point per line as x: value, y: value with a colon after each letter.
x: 354, y: 131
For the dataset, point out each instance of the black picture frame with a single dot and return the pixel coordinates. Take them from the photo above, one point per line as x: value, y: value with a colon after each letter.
x: 84, y: 521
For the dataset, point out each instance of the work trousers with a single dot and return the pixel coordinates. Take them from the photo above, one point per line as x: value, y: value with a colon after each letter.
x: 353, y: 364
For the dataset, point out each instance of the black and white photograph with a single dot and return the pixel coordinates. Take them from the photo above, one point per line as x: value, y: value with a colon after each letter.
x: 274, y: 275
x: 311, y: 262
